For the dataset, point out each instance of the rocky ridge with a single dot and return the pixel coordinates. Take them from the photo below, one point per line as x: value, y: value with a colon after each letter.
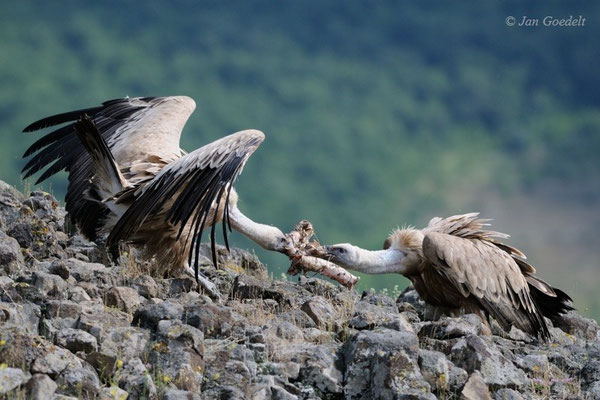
x: 74, y: 326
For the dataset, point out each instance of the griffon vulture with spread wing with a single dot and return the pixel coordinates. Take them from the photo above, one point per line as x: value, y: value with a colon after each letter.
x: 456, y: 263
x: 129, y: 178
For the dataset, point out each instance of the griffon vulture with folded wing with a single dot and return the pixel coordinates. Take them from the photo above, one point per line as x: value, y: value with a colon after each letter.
x: 456, y: 263
x: 129, y: 178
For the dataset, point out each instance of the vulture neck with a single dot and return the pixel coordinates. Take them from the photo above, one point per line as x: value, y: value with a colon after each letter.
x: 266, y: 236
x: 380, y: 261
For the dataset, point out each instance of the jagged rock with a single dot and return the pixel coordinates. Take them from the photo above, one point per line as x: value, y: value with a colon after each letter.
x: 177, y: 286
x: 125, y: 299
x: 146, y: 286
x: 62, y: 309
x: 18, y: 348
x: 534, y: 363
x: 44, y: 205
x: 240, y: 261
x: 279, y: 393
x: 212, y: 319
x: 321, y: 371
x: 284, y: 330
x: 124, y: 342
x: 91, y: 289
x: 475, y: 388
x: 575, y: 324
x: 270, y: 387
x: 371, y: 297
x: 315, y: 335
x: 176, y: 394
x: 298, y: 318
x: 81, y: 381
x: 434, y: 367
x: 8, y: 194
x: 594, y: 390
x: 473, y: 353
x: 321, y: 312
x: 104, y: 364
x: 113, y: 393
x: 448, y: 328
x: 409, y: 300
x: 565, y: 360
x: 149, y: 315
x: 40, y: 387
x: 368, y: 315
x: 12, y: 378
x: 178, y: 354
x: 457, y: 377
x: 229, y: 369
x: 103, y: 322
x: 26, y: 316
x: 22, y: 233
x: 186, y: 334
x: 507, y: 394
x: 249, y: 287
x: 136, y: 380
x: 78, y: 245
x: 383, y: 364
x: 82, y: 271
x: 76, y: 340
x: 287, y: 369
x: 77, y: 294
x: 11, y: 259
x: 50, y: 285
x: 591, y: 371
x: 55, y: 361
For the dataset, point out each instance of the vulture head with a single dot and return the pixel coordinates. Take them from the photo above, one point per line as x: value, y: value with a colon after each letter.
x: 344, y: 254
x: 391, y: 260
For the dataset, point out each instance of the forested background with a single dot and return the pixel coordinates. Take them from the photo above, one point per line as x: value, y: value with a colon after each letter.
x: 377, y: 113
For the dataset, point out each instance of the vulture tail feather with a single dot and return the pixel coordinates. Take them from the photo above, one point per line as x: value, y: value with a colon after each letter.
x: 550, y: 306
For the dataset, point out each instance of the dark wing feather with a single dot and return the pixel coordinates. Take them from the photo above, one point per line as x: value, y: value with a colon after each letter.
x: 125, y: 125
x: 107, y: 178
x: 185, y: 193
x: 490, y: 275
x: 62, y: 118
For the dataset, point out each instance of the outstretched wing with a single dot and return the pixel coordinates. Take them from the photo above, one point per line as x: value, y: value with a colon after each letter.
x: 186, y: 194
x: 479, y: 268
x: 131, y: 127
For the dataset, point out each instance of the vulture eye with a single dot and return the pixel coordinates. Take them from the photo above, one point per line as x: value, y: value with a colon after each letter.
x: 341, y: 250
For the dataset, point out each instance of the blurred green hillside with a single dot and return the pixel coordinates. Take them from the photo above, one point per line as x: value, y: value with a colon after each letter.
x: 377, y: 114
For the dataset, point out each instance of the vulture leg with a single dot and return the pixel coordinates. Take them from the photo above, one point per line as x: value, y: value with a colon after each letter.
x: 204, y: 282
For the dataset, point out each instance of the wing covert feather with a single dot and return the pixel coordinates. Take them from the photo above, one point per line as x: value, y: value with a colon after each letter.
x: 481, y: 269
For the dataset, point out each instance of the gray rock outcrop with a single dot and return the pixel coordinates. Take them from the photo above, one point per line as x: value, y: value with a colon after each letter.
x: 73, y: 325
